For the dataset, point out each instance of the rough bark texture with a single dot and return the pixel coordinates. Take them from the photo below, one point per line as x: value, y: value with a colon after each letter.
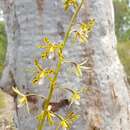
x: 106, y: 106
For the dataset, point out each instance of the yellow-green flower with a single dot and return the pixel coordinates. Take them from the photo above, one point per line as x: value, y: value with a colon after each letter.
x: 49, y: 115
x: 64, y: 124
x: 49, y: 47
x: 40, y: 116
x: 23, y: 98
x: 85, y: 29
x: 71, y: 117
x: 36, y: 63
x: 75, y: 97
x: 69, y: 3
x: 42, y: 74
x: 60, y: 54
x: 67, y: 121
x: 79, y: 67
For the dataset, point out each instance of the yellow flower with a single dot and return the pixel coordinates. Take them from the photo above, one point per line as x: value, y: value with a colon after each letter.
x: 41, y: 74
x: 71, y: 117
x: 49, y: 114
x: 49, y: 48
x: 67, y: 121
x: 69, y: 3
x: 23, y: 100
x: 75, y: 97
x: 85, y: 28
x: 64, y: 124
x: 60, y: 54
x: 40, y: 116
x: 36, y: 63
x: 79, y: 67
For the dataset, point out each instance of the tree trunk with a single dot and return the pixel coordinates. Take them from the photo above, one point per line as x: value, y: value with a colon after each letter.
x: 106, y: 105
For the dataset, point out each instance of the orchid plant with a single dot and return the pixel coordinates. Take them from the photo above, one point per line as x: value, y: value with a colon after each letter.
x: 81, y: 35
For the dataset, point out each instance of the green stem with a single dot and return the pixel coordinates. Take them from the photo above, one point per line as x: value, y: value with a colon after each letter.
x: 71, y: 23
x: 41, y: 125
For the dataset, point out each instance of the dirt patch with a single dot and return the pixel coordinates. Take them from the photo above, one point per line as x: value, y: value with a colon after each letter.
x: 6, y: 114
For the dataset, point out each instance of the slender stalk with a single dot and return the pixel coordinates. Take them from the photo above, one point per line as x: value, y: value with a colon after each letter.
x: 71, y: 22
x: 52, y: 86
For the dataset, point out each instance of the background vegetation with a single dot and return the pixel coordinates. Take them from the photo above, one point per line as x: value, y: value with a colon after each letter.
x: 3, y: 44
x: 122, y: 27
x: 122, y: 19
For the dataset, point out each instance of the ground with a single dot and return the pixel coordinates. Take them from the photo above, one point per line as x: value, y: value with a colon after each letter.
x: 6, y: 112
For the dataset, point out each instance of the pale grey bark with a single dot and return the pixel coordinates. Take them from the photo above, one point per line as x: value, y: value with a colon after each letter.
x: 106, y: 106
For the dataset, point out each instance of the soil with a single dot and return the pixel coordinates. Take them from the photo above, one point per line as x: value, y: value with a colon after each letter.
x: 6, y: 114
